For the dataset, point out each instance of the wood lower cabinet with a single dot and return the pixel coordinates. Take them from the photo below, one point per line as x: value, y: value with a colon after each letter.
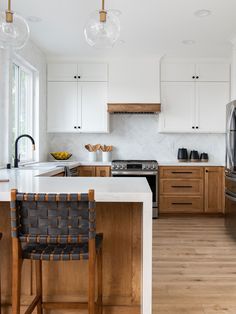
x: 103, y: 171
x: 86, y: 171
x: 181, y: 204
x: 191, y: 189
x: 61, y: 174
x: 94, y: 171
x: 214, y: 189
x: 182, y: 186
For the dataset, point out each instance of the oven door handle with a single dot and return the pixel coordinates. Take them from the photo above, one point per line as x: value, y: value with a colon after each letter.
x: 134, y: 173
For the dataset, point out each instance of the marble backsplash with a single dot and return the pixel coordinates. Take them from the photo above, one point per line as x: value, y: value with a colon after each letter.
x: 137, y: 137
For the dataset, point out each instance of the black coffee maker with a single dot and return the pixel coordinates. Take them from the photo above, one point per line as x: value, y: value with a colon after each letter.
x: 182, y: 154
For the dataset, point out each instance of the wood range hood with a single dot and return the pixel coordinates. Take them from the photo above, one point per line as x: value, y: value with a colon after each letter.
x: 134, y: 108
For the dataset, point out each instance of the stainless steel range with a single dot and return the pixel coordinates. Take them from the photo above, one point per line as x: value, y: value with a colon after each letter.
x: 139, y: 168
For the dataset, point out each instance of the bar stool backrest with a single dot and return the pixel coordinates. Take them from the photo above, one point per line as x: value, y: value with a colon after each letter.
x: 53, y: 218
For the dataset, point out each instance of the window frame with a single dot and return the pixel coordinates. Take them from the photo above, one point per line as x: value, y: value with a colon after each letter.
x: 27, y: 68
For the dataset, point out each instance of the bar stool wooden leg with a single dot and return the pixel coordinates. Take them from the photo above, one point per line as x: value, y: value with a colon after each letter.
x: 39, y: 288
x: 92, y: 274
x: 100, y: 283
x: 16, y: 276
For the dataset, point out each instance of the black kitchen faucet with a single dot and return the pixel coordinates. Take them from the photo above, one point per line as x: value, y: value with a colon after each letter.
x: 16, y: 160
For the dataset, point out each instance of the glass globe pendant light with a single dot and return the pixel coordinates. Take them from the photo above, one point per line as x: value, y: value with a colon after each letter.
x: 102, y: 29
x: 14, y: 30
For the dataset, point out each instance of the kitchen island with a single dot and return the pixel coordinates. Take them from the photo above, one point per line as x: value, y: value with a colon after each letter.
x: 124, y: 215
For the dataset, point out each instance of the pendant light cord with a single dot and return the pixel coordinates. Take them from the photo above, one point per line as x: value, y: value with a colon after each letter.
x: 9, y: 5
x: 103, y: 5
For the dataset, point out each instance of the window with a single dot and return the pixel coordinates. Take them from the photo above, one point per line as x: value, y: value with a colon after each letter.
x: 22, y: 110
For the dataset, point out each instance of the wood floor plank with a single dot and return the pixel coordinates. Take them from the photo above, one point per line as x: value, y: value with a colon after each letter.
x: 194, y: 266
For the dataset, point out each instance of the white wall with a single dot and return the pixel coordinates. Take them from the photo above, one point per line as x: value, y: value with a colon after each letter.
x: 134, y: 80
x: 36, y: 58
x: 32, y: 55
x: 4, y: 106
x: 136, y: 137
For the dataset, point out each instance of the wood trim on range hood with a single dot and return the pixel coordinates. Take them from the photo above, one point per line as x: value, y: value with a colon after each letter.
x: 133, y: 108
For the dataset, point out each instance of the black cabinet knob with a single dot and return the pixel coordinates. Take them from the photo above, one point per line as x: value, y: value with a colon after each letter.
x: 75, y: 77
x: 196, y: 127
x: 193, y: 77
x: 197, y: 77
x: 79, y: 77
x: 75, y: 127
x: 206, y: 170
x: 193, y: 127
x: 79, y: 127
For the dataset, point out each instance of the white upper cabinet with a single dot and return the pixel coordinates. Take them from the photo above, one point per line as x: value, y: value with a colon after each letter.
x: 177, y: 98
x: 77, y: 98
x: 92, y: 72
x: 187, y: 72
x: 213, y: 72
x: 194, y: 102
x: 94, y: 107
x: 62, y: 72
x: 63, y: 107
x: 211, y: 100
x: 84, y: 72
x: 177, y: 72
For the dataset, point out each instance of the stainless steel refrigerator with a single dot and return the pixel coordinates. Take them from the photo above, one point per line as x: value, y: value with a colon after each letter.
x: 230, y: 171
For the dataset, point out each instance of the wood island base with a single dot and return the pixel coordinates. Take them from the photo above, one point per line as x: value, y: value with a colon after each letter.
x: 121, y: 224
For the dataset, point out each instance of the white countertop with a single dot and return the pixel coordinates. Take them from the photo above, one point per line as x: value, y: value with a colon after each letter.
x: 193, y: 164
x: 39, y: 181
x: 94, y: 163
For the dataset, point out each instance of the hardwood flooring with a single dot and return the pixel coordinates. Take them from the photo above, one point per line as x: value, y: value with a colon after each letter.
x: 194, y: 266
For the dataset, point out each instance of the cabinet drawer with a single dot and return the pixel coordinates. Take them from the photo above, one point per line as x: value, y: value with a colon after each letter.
x: 183, y: 187
x: 179, y: 204
x: 181, y: 172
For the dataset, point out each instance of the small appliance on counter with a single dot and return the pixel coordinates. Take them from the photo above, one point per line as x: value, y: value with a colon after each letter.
x: 204, y: 157
x: 194, y: 156
x: 182, y: 154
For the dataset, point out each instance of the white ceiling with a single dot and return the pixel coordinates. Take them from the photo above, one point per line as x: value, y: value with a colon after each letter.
x: 149, y: 27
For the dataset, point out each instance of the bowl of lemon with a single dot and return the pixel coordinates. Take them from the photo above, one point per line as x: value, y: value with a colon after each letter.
x: 61, y: 155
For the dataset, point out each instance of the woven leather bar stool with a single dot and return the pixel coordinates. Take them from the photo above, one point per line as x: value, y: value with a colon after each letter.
x: 55, y: 227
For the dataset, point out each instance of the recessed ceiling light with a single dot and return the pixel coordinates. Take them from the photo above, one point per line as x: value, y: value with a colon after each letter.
x: 116, y: 12
x: 34, y: 19
x: 122, y: 41
x: 188, y: 42
x: 202, y: 13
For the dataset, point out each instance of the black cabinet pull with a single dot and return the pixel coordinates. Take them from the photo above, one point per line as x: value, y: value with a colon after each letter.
x: 79, y: 127
x: 182, y: 172
x: 197, y: 127
x: 75, y: 77
x: 182, y: 203
x: 207, y: 171
x: 79, y: 77
x: 182, y: 186
x: 193, y: 77
x: 75, y: 127
x: 193, y: 127
x: 197, y: 77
